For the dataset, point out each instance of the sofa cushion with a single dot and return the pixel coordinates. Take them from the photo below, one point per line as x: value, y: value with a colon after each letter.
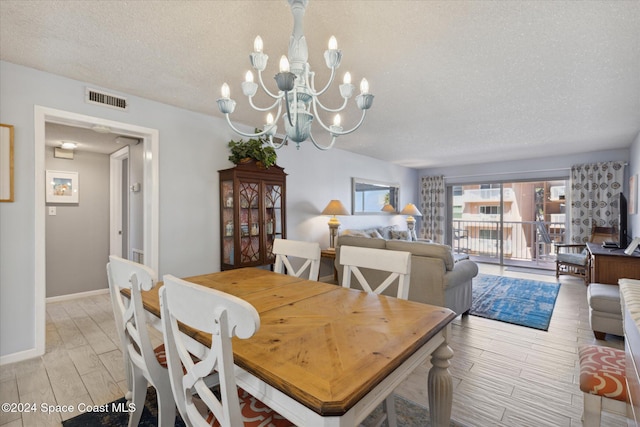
x: 365, y: 242
x: 357, y: 233
x: 386, y: 231
x: 602, y: 297
x: 400, y: 235
x: 376, y: 232
x: 433, y: 250
x: 373, y: 232
x: 576, y: 259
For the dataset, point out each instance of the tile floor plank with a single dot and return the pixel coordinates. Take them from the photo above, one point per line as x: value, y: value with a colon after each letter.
x: 9, y: 394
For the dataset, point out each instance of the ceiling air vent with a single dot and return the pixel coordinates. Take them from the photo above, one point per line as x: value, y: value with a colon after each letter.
x: 93, y: 96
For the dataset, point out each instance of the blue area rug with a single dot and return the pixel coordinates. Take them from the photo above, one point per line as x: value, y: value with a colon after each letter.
x: 519, y: 301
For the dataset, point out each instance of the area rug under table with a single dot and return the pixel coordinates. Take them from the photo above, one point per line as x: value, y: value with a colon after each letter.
x: 409, y: 415
x: 519, y: 301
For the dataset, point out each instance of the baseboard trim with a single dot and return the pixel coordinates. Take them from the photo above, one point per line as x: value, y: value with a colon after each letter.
x: 77, y: 295
x: 20, y: 356
x: 34, y: 352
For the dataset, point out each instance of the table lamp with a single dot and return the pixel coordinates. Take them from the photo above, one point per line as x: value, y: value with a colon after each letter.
x: 411, y: 210
x: 388, y: 208
x: 335, y: 207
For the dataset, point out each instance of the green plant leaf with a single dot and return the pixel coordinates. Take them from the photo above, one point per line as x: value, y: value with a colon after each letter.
x: 255, y: 148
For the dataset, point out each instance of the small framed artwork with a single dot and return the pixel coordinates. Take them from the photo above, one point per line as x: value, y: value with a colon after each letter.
x: 62, y: 187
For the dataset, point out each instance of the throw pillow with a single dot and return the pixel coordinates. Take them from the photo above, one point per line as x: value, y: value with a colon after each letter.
x: 357, y: 233
x: 386, y: 231
x: 400, y: 235
x: 375, y: 234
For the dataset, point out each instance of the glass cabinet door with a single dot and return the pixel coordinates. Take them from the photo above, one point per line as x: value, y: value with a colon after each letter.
x: 228, y: 225
x: 249, y: 196
x: 273, y: 217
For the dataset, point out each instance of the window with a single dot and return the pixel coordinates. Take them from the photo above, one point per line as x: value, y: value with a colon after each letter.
x: 490, y: 210
x: 499, y: 220
x: 488, y: 234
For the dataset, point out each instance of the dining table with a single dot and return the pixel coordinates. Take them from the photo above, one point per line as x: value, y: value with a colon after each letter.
x: 325, y: 355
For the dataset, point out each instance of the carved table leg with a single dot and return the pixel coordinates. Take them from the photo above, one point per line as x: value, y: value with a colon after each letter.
x: 440, y: 385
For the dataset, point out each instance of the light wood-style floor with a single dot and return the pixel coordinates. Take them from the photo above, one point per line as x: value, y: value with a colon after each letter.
x: 504, y: 375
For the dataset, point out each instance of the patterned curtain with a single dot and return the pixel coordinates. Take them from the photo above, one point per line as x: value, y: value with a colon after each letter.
x: 432, y: 206
x: 594, y: 197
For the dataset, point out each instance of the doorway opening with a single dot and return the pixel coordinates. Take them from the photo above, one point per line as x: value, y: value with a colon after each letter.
x: 509, y: 223
x: 149, y: 138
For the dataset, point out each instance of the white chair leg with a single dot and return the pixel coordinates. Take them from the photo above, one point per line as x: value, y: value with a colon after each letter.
x: 592, y: 410
x: 166, y: 406
x: 390, y: 409
x: 127, y: 368
x: 139, y: 394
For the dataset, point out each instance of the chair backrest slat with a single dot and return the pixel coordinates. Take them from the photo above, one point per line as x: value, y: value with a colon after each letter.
x: 396, y: 263
x: 129, y: 313
x: 221, y: 315
x: 285, y: 250
x: 603, y: 234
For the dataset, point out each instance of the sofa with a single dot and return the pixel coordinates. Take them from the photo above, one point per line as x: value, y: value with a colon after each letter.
x: 437, y: 278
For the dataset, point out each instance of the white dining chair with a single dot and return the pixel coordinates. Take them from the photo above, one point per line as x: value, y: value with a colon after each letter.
x: 288, y: 250
x: 143, y: 363
x: 223, y: 316
x: 398, y: 265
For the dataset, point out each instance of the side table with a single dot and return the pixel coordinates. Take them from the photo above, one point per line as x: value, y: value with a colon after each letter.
x: 610, y: 265
x: 330, y: 254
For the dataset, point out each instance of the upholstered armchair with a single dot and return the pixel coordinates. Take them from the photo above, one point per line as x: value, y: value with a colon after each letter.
x: 573, y: 259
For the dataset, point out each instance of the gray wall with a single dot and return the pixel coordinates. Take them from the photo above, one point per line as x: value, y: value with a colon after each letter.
x: 192, y: 149
x: 77, y: 237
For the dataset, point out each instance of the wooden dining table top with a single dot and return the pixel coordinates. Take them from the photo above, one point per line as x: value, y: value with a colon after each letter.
x: 324, y: 345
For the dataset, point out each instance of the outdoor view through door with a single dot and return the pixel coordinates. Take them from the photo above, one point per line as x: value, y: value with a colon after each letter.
x: 512, y: 223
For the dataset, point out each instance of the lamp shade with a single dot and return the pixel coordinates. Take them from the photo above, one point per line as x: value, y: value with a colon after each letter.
x: 410, y: 209
x: 388, y: 208
x: 335, y: 207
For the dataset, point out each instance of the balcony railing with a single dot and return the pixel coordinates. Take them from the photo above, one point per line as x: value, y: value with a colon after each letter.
x: 517, y: 241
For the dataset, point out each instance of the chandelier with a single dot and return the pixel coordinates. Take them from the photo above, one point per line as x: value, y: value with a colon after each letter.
x: 296, y: 90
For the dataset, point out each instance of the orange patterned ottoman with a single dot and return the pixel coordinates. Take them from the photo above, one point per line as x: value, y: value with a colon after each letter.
x: 602, y: 372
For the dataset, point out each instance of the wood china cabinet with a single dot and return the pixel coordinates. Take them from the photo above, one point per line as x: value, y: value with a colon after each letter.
x: 252, y: 214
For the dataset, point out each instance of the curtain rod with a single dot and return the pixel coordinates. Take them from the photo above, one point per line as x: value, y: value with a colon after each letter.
x: 518, y: 172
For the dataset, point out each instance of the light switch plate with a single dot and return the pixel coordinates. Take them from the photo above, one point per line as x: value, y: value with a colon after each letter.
x: 52, y: 210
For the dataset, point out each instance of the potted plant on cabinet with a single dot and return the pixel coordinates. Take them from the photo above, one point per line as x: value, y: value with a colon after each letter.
x: 253, y: 149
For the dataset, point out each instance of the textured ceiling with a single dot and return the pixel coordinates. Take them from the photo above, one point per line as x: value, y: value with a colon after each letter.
x: 455, y: 82
x: 85, y: 139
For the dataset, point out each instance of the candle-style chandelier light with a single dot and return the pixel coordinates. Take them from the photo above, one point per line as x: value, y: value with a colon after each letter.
x: 296, y: 90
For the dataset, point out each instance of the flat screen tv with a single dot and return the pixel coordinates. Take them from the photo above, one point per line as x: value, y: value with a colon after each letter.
x: 622, y: 221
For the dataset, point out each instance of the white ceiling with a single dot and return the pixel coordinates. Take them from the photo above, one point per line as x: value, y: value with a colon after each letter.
x: 85, y: 139
x: 456, y: 82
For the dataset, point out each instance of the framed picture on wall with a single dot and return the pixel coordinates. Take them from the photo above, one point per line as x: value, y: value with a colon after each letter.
x: 62, y: 187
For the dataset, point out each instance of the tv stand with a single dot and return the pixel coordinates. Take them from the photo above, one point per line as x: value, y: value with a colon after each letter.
x: 610, y: 265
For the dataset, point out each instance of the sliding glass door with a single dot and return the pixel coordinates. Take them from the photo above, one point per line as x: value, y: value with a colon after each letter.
x: 508, y: 222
